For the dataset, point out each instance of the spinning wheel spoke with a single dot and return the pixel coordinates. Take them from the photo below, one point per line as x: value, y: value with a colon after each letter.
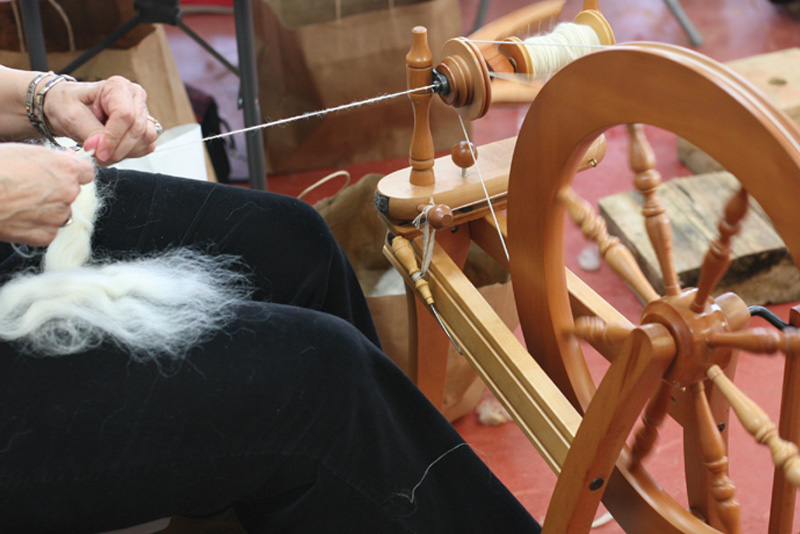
x: 758, y: 340
x: 659, y: 228
x: 617, y: 255
x: 606, y: 338
x: 758, y: 424
x: 784, y: 494
x: 653, y: 417
x: 712, y: 448
x: 718, y: 256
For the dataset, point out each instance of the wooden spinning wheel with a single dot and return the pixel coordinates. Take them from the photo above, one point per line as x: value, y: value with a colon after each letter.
x: 684, y: 340
x: 689, y: 95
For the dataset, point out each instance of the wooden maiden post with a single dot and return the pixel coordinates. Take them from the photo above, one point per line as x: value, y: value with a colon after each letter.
x: 419, y: 73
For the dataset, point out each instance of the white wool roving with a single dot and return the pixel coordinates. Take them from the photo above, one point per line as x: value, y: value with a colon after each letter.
x: 150, y: 307
x: 72, y: 246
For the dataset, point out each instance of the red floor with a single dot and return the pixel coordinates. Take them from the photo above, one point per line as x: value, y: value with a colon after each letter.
x: 732, y: 29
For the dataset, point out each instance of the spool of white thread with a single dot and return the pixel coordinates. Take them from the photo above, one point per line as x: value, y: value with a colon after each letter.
x: 569, y: 41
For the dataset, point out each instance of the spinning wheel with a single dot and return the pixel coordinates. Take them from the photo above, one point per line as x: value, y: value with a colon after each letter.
x: 685, y: 339
x: 687, y: 325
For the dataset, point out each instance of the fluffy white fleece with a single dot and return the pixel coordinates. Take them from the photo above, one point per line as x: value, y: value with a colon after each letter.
x: 150, y: 307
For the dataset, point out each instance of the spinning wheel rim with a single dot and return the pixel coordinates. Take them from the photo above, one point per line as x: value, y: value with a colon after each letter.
x: 600, y: 94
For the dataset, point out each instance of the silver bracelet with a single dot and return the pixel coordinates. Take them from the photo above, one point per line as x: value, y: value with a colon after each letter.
x: 39, y: 105
x: 29, y: 95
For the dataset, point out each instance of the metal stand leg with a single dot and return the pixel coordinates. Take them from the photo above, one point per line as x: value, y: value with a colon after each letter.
x: 34, y: 36
x: 249, y: 94
x: 168, y: 12
x: 112, y: 38
x: 149, y: 11
x: 677, y: 10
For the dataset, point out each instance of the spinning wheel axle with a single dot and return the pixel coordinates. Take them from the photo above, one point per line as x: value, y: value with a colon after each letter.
x: 767, y: 315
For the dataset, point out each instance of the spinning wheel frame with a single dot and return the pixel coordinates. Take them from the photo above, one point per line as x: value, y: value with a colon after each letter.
x: 600, y: 94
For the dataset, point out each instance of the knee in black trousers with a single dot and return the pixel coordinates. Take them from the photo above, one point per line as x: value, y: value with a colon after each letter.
x: 291, y: 414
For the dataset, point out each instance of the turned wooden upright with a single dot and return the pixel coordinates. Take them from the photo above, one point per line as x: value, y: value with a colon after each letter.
x: 419, y: 69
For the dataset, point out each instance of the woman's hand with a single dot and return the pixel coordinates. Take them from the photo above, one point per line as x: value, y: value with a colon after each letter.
x: 37, y: 187
x: 110, y: 117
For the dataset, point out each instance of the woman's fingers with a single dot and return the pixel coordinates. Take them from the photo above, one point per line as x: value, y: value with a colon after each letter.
x: 38, y: 188
x: 110, y: 117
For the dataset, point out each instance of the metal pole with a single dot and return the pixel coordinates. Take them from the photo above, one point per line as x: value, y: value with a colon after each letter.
x: 691, y: 32
x: 249, y: 93
x: 34, y: 36
x: 110, y: 39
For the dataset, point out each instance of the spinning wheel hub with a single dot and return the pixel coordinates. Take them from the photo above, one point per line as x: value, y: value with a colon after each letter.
x: 690, y: 331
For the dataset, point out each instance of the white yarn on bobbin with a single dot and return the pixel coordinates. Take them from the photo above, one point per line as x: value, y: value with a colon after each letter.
x: 565, y: 44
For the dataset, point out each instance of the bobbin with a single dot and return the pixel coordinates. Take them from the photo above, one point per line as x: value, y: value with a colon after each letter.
x: 519, y: 56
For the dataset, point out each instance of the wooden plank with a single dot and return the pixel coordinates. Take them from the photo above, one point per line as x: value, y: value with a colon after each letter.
x: 775, y: 74
x: 761, y: 271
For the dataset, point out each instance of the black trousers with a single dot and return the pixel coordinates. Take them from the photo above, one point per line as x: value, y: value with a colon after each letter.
x: 291, y: 415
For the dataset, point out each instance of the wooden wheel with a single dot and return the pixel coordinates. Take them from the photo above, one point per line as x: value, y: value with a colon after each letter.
x: 711, y: 107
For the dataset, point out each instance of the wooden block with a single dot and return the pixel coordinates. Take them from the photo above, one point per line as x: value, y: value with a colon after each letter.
x: 777, y: 75
x: 761, y: 271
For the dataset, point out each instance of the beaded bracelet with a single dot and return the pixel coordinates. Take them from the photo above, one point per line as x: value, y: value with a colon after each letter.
x: 29, y: 106
x: 39, y: 105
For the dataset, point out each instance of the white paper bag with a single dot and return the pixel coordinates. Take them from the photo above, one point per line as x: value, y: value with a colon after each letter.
x: 179, y: 152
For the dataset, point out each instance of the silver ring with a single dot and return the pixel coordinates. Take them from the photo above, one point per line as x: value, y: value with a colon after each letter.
x: 67, y: 222
x: 157, y: 124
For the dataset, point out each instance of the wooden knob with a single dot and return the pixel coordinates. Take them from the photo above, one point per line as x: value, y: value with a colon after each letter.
x: 463, y: 155
x: 405, y: 255
x: 440, y: 216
